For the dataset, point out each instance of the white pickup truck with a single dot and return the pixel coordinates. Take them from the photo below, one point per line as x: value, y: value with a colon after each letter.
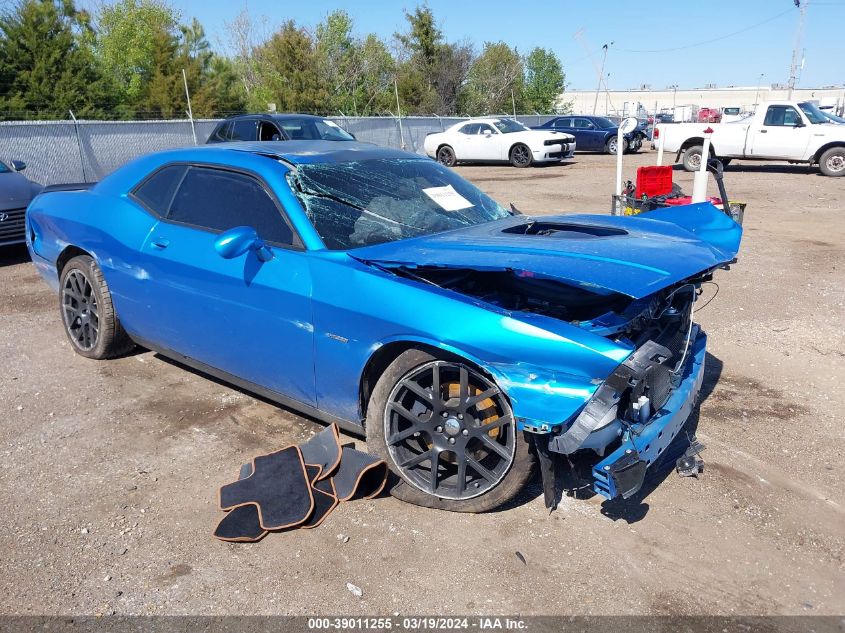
x: 792, y: 131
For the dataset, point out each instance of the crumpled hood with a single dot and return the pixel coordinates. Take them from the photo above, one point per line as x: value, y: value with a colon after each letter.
x: 634, y: 256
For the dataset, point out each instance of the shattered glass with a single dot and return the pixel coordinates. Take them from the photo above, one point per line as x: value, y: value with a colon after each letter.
x: 359, y: 203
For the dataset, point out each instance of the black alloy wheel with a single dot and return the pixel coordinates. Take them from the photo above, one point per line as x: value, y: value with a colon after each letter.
x: 446, y: 156
x: 80, y: 310
x: 521, y: 155
x: 449, y: 430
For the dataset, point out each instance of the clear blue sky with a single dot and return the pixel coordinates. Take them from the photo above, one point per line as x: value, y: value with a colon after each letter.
x: 632, y: 26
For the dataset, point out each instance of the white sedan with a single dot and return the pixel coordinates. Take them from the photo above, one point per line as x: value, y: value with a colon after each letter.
x: 498, y: 140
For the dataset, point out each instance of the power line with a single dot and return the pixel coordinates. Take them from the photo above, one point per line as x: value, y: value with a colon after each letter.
x: 710, y: 41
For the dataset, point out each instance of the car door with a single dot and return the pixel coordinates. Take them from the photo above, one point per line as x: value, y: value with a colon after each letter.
x: 489, y: 143
x: 247, y: 317
x: 783, y: 134
x: 587, y: 135
x: 465, y: 141
x: 566, y: 125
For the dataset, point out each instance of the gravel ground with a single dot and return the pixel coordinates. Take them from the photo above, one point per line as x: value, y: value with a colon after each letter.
x: 110, y: 470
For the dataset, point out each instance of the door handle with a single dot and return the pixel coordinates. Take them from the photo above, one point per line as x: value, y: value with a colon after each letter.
x: 160, y: 242
x: 764, y: 131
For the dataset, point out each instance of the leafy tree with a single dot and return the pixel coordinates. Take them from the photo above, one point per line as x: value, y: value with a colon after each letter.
x: 336, y: 58
x: 494, y: 80
x: 46, y: 68
x: 289, y: 69
x: 127, y: 33
x: 376, y: 69
x: 432, y: 72
x: 544, y: 80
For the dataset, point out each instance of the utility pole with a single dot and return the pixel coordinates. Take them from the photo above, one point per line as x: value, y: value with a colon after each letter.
x: 757, y: 93
x: 190, y: 110
x: 579, y: 35
x: 796, y: 49
x: 601, y: 77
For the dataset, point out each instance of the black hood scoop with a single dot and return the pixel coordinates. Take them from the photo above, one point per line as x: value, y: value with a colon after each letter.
x: 564, y: 230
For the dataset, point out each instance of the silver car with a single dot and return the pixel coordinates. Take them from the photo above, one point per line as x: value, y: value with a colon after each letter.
x: 16, y: 191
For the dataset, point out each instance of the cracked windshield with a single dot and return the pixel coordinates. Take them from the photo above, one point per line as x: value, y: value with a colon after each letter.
x: 359, y: 203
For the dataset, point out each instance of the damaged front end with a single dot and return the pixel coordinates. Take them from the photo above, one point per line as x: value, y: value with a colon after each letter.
x: 628, y: 419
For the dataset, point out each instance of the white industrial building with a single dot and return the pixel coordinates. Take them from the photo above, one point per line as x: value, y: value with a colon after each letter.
x: 685, y: 103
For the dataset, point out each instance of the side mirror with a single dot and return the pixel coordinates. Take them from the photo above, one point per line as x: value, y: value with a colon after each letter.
x: 239, y: 240
x: 18, y: 165
x: 488, y: 133
x: 799, y: 123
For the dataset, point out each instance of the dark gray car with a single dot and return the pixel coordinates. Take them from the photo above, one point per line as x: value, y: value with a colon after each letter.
x: 16, y: 191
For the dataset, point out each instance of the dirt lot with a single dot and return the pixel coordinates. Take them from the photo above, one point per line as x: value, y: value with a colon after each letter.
x: 110, y: 470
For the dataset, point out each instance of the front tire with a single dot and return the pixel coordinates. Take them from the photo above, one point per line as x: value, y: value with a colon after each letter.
x: 832, y: 162
x: 692, y: 158
x: 91, y: 324
x: 447, y: 434
x: 446, y: 156
x: 521, y: 156
x: 610, y: 146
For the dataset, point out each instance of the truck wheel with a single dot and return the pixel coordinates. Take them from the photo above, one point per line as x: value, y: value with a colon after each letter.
x: 832, y: 162
x: 91, y: 324
x: 447, y: 433
x: 692, y: 158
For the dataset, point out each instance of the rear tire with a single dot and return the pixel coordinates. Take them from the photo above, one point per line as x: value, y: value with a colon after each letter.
x: 91, y: 324
x: 692, y: 158
x: 832, y: 162
x: 435, y: 429
x: 521, y: 156
x: 446, y: 156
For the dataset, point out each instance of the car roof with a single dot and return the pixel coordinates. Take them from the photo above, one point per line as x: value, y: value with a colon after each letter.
x: 274, y: 116
x: 310, y: 151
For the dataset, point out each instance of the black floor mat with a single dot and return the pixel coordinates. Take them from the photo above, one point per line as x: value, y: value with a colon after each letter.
x: 359, y: 476
x: 278, y: 485
x: 297, y: 487
x: 323, y: 450
x: 241, y: 524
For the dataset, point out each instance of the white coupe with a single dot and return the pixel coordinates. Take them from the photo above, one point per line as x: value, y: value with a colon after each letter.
x: 498, y: 140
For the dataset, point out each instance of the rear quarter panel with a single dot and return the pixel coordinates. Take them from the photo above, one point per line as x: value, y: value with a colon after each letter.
x: 111, y: 229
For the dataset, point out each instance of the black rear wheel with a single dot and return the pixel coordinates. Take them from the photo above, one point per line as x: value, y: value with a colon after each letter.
x: 446, y: 156
x: 448, y: 433
x: 91, y: 325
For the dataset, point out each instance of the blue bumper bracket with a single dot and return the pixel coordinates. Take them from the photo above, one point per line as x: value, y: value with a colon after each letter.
x: 623, y: 471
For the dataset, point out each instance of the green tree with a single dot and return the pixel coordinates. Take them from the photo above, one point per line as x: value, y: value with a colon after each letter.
x: 336, y: 59
x: 431, y: 72
x: 128, y: 33
x: 46, y: 65
x: 289, y: 73
x: 544, y: 80
x: 376, y: 70
x: 495, y: 81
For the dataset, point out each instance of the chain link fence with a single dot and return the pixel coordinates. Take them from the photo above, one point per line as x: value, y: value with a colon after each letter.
x: 86, y: 151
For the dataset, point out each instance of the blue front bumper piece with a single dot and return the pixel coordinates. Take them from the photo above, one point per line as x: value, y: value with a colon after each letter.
x: 643, y: 444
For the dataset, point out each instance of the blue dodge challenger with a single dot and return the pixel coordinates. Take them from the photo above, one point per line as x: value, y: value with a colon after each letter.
x: 379, y: 290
